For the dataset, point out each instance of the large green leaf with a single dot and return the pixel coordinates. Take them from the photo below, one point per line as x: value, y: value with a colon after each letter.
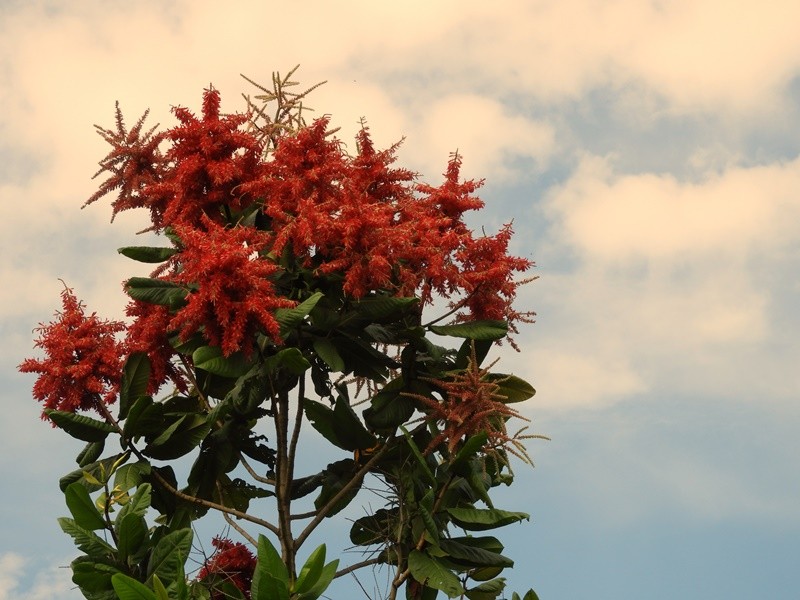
x: 98, y: 470
x: 374, y: 528
x: 473, y: 556
x: 383, y: 307
x: 145, y: 418
x: 156, y: 291
x: 88, y: 542
x: 147, y: 254
x: 271, y: 578
x: 488, y: 590
x: 169, y: 555
x: 311, y: 571
x: 324, y: 580
x: 290, y: 359
x: 138, y: 503
x: 474, y: 330
x: 128, y: 588
x: 93, y: 576
x: 335, y: 477
x: 180, y: 438
x: 131, y: 533
x: 418, y: 455
x: 90, y: 453
x: 481, y: 519
x: 131, y: 475
x: 83, y: 508
x: 432, y: 573
x: 329, y: 354
x: 390, y: 407
x: 511, y: 387
x: 473, y: 445
x: 80, y: 426
x: 135, y: 379
x: 289, y: 318
x: 210, y: 359
x: 339, y: 426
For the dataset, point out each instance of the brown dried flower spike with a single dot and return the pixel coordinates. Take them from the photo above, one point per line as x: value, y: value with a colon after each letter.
x: 471, y: 404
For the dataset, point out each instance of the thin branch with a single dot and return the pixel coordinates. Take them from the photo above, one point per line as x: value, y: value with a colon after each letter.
x: 322, y: 512
x: 359, y: 565
x: 305, y: 515
x: 298, y: 422
x: 253, y: 474
x: 240, y: 529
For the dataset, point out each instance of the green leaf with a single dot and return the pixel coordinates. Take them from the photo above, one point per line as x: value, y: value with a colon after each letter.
x: 82, y: 507
x: 374, y: 528
x: 179, y: 438
x: 340, y: 426
x: 271, y: 578
x: 481, y: 519
x: 135, y: 378
x: 156, y: 291
x: 87, y: 542
x: 160, y: 590
x: 513, y: 388
x: 432, y: 573
x: 138, y: 503
x: 144, y: 418
x: 325, y: 578
x: 289, y: 358
x: 99, y: 470
x: 482, y: 348
x: 131, y: 533
x: 489, y: 590
x: 468, y: 451
x: 94, y: 576
x: 128, y: 588
x: 473, y: 556
x: 289, y: 318
x: 474, y: 330
x: 169, y: 555
x: 90, y: 453
x: 80, y: 426
x: 335, y: 477
x: 383, y: 307
x: 311, y: 571
x: 389, y: 408
x: 147, y: 254
x: 130, y: 475
x: 418, y: 455
x: 210, y: 358
x: 326, y: 350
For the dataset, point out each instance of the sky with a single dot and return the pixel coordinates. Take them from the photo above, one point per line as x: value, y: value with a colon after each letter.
x: 648, y: 155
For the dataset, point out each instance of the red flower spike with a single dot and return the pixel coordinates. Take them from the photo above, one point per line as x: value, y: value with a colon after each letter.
x: 234, y: 296
x: 231, y: 561
x: 83, y: 359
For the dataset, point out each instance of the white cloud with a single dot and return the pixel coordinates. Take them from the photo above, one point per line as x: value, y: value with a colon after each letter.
x: 52, y: 581
x: 611, y: 217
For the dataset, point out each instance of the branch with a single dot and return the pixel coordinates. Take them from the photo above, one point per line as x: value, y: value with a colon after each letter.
x: 351, y: 568
x: 322, y: 512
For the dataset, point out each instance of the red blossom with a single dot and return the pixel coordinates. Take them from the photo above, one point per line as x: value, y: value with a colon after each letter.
x: 232, y: 562
x: 201, y: 173
x: 149, y: 333
x: 83, y: 361
x: 233, y: 293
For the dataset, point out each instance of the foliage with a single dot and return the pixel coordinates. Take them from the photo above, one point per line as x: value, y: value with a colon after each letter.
x: 291, y: 290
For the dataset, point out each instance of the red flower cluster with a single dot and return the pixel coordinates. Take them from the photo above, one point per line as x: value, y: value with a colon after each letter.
x: 209, y: 159
x: 231, y: 562
x: 235, y: 296
x: 356, y: 218
x: 83, y: 362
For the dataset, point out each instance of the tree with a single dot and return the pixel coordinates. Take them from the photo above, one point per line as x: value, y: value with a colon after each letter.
x: 292, y: 289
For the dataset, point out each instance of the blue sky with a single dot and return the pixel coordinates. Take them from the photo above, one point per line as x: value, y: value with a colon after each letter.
x: 648, y: 154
